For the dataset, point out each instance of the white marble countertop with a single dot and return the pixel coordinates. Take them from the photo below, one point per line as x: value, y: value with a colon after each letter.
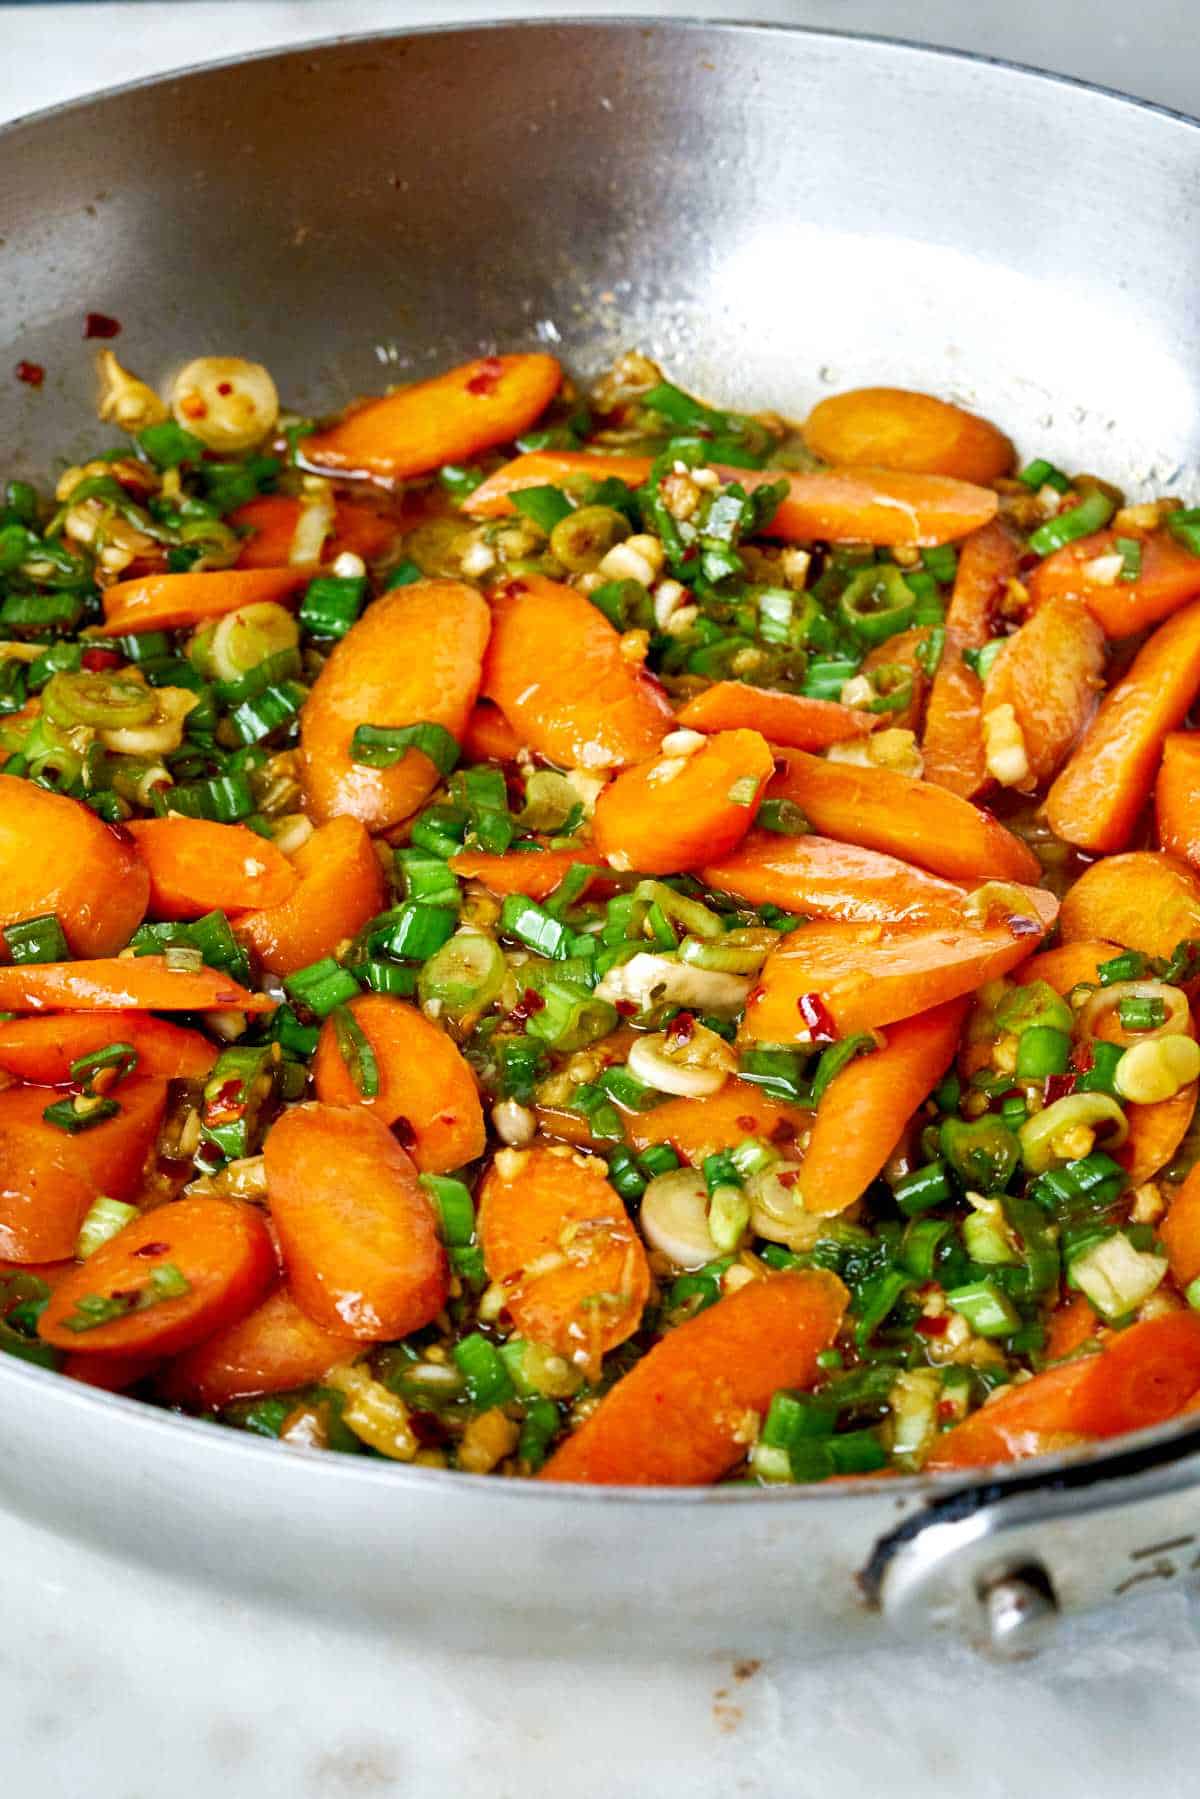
x: 123, y: 1684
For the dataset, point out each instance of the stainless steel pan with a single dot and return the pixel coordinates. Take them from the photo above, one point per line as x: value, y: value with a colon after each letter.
x: 768, y: 212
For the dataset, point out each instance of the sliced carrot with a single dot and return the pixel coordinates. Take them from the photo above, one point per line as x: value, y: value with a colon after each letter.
x: 865, y: 1108
x: 901, y: 816
x: 536, y: 876
x: 1141, y: 900
x: 677, y: 1419
x: 357, y: 1231
x: 904, y: 653
x: 558, y: 1240
x: 865, y: 975
x: 42, y: 1050
x: 696, y: 1128
x: 1067, y: 964
x: 667, y: 815
x: 198, y: 867
x: 952, y: 745
x: 50, y: 1177
x: 272, y: 1348
x: 451, y: 418
x: 123, y: 983
x: 427, y: 1093
x: 340, y: 887
x: 489, y: 737
x: 1141, y: 1377
x: 821, y: 878
x: 556, y: 669
x: 1155, y: 1133
x: 1169, y: 578
x: 171, y: 602
x: 1177, y: 795
x: 1180, y: 1230
x: 413, y: 658
x: 892, y: 427
x: 110, y: 1373
x: 272, y: 520
x: 856, y: 505
x: 1096, y: 799
x: 1069, y: 1326
x: 1050, y: 673
x: 57, y: 856
x: 787, y: 718
x: 222, y: 1250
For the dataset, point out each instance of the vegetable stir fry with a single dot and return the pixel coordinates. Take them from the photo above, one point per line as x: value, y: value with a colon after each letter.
x: 597, y: 937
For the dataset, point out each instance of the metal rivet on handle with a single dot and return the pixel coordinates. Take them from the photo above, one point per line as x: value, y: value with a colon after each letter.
x: 1020, y: 1613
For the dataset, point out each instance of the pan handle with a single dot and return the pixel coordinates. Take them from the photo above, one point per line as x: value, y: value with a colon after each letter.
x: 1002, y: 1562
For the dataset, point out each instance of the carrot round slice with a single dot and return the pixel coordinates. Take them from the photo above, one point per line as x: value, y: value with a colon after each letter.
x: 557, y: 1238
x: 892, y: 427
x: 171, y: 602
x: 1143, y: 1376
x: 787, y: 718
x: 821, y: 878
x: 42, y: 1050
x: 272, y: 520
x: 1141, y: 900
x: 668, y: 815
x: 1049, y: 672
x: 413, y: 658
x: 1096, y: 799
x: 111, y: 1373
x: 1180, y: 1230
x: 121, y: 984
x: 542, y: 468
x: 865, y: 1108
x: 489, y: 737
x: 1169, y: 577
x: 1067, y: 964
x: 677, y: 1419
x: 451, y: 418
x: 219, y: 1252
x: 340, y: 887
x: 1177, y: 796
x: 905, y: 653
x: 427, y: 1093
x: 273, y: 1348
x: 536, y: 876
x: 883, y: 810
x: 198, y: 867
x: 1155, y: 1133
x: 696, y: 1128
x: 58, y: 857
x: 1069, y: 1326
x: 952, y: 745
x: 556, y: 670
x: 357, y: 1231
x: 865, y: 976
x: 50, y: 1177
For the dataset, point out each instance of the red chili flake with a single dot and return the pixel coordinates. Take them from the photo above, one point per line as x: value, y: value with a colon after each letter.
x: 789, y: 1177
x: 487, y: 376
x: 95, y: 661
x: 754, y: 995
x: 508, y: 590
x: 747, y: 1123
x: 403, y: 1132
x: 946, y: 1410
x: 1082, y: 1058
x: 1058, y: 1086
x: 225, y: 388
x: 1029, y: 560
x: 1018, y: 925
x: 227, y: 1104
x: 98, y: 324
x: 817, y: 1017
x: 932, y: 1327
x: 152, y: 1249
x: 627, y: 1008
x: 31, y: 373
x: 682, y: 1028
x: 529, y: 1003
x: 783, y: 1131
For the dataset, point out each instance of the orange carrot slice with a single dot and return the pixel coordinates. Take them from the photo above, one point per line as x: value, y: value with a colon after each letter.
x: 489, y: 737
x: 427, y: 1093
x: 1177, y: 796
x: 272, y: 521
x: 1069, y: 1326
x: 1155, y: 1133
x: 1067, y: 964
x: 1169, y: 578
x: 1143, y: 1376
x: 451, y: 418
x: 892, y: 427
x: 557, y: 1238
x: 556, y: 670
x: 49, y: 1177
x: 122, y: 984
x: 356, y: 1229
x: 668, y: 815
x: 1049, y: 672
x: 696, y: 1128
x: 340, y: 887
x: 58, y: 857
x: 222, y: 1250
x: 865, y: 1108
x: 952, y: 745
x: 882, y: 810
x: 905, y: 652
x: 822, y: 878
x: 171, y: 602
x: 677, y: 1419
x: 414, y: 657
x: 1096, y: 799
x: 198, y: 867
x: 865, y: 976
x: 271, y: 1349
x: 1180, y: 1230
x: 787, y: 718
x: 111, y: 1373
x: 1141, y: 900
x: 42, y: 1050
x: 534, y: 875
x: 550, y: 468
